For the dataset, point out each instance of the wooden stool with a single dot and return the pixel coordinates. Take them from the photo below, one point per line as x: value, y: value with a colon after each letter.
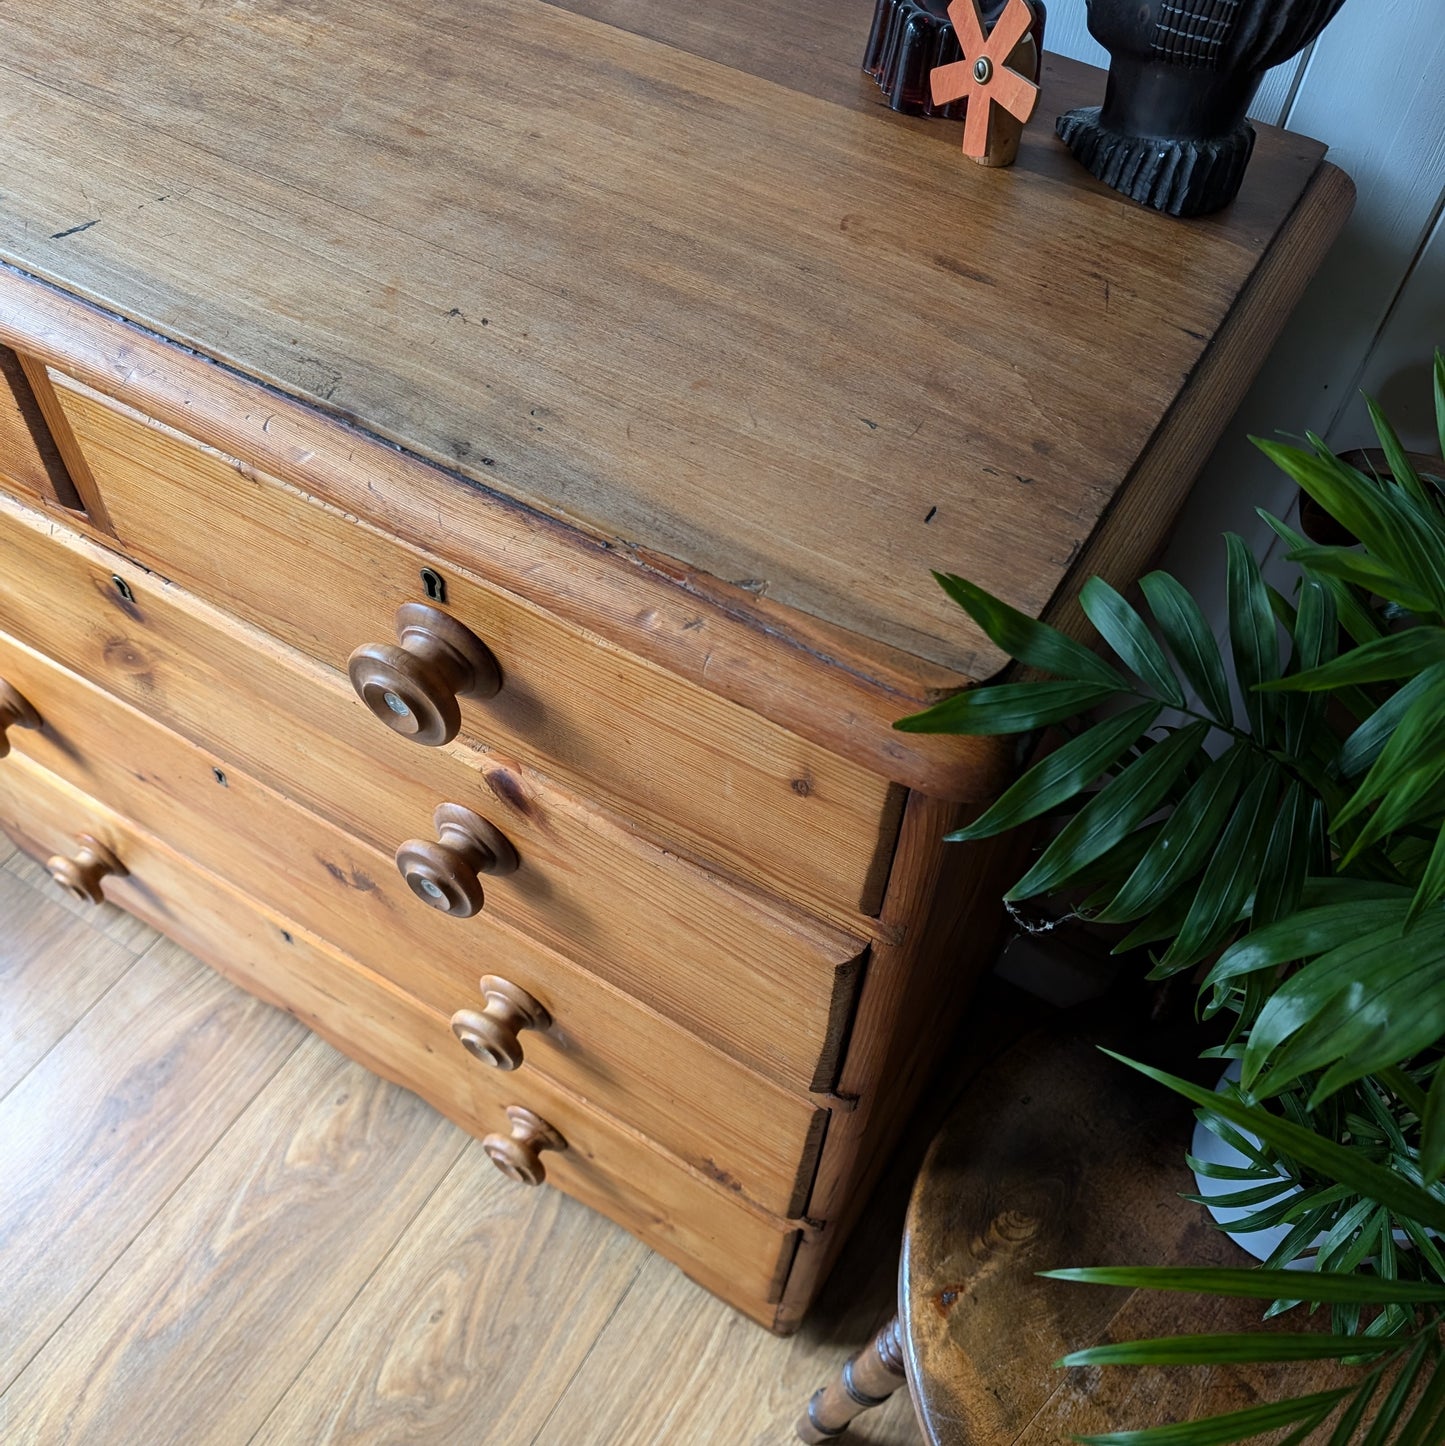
x: 1055, y: 1156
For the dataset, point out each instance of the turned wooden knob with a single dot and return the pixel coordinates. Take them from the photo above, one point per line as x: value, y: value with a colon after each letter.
x: 81, y: 875
x: 518, y: 1155
x: 15, y: 712
x: 414, y: 688
x: 445, y: 874
x: 491, y: 1034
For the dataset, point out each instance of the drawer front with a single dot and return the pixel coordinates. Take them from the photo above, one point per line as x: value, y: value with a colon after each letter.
x: 354, y: 896
x: 30, y: 462
x: 738, y: 1253
x: 646, y: 920
x: 686, y: 764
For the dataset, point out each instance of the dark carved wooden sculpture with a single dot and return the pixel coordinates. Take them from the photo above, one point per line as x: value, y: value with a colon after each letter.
x: 912, y: 38
x: 1172, y: 131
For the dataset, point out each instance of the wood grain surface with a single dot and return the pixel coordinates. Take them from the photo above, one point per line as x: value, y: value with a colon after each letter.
x: 1058, y: 1156
x: 85, y: 1127
x: 821, y: 682
x: 29, y: 459
x: 38, y: 1003
x: 693, y: 767
x: 308, y: 1154
x: 696, y: 1218
x: 761, y: 332
x: 715, y: 959
x: 523, y: 1279
x: 473, y: 1326
x: 741, y: 1130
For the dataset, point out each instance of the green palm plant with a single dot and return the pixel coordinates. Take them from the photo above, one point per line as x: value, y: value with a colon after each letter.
x: 1289, y: 847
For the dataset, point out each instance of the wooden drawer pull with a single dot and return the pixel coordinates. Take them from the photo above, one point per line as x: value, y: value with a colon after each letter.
x: 491, y: 1035
x: 414, y: 688
x: 15, y: 712
x: 445, y: 874
x: 518, y: 1155
x: 81, y: 875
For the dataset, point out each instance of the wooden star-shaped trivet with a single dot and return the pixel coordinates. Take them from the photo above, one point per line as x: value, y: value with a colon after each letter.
x: 984, y: 79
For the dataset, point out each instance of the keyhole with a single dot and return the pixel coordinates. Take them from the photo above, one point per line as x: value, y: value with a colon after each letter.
x: 435, y: 585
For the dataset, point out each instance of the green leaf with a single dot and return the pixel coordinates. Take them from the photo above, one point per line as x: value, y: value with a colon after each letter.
x: 1307, y: 996
x: 1394, y: 532
x: 1417, y: 740
x: 1162, y: 923
x: 1286, y: 860
x: 1229, y: 1427
x: 1361, y: 570
x: 1255, y: 1284
x: 1423, y: 1428
x: 1396, y: 457
x: 1344, y: 1431
x: 1432, y: 881
x: 1190, y: 640
x: 1007, y: 708
x: 1392, y: 1008
x: 1398, y: 1394
x: 1253, y: 635
x: 1412, y: 799
x: 1124, y: 631
x: 1267, y: 1193
x: 1027, y: 639
x: 1356, y: 619
x: 1205, y: 1350
x: 1311, y: 931
x: 1365, y: 744
x: 1312, y: 1151
x: 1316, y: 640
x: 1115, y: 811
x: 1065, y: 772
x: 1398, y: 655
x: 1439, y: 373
x: 1185, y: 841
x: 1212, y: 1171
x: 1230, y: 876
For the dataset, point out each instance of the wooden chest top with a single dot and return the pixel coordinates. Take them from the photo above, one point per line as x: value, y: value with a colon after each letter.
x: 669, y: 271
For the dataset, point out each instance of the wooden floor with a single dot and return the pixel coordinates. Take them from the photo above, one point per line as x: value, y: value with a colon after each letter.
x: 215, y: 1230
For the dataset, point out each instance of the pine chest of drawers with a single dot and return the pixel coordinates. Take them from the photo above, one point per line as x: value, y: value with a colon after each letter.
x: 469, y: 476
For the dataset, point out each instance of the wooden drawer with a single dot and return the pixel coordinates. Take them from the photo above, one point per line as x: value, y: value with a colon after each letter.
x: 739, y: 1253
x: 687, y: 765
x: 30, y: 462
x: 646, y: 920
x: 640, y: 1063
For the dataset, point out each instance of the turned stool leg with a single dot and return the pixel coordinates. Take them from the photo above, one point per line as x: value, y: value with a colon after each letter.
x: 867, y: 1380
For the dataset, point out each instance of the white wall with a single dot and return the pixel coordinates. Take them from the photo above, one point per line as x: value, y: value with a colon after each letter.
x: 1371, y: 88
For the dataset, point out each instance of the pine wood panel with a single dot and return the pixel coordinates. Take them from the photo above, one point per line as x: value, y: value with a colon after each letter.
x: 771, y: 660
x: 737, y: 1251
x: 944, y: 911
x: 1150, y: 501
x: 472, y: 1328
x: 100, y: 1133
x: 38, y: 1002
x: 661, y: 930
x: 690, y: 764
x: 300, y: 1168
x: 761, y: 380
x: 29, y: 460
x: 748, y: 1133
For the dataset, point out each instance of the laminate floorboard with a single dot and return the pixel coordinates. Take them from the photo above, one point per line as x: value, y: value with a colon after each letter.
x: 53, y: 967
x: 216, y: 1231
